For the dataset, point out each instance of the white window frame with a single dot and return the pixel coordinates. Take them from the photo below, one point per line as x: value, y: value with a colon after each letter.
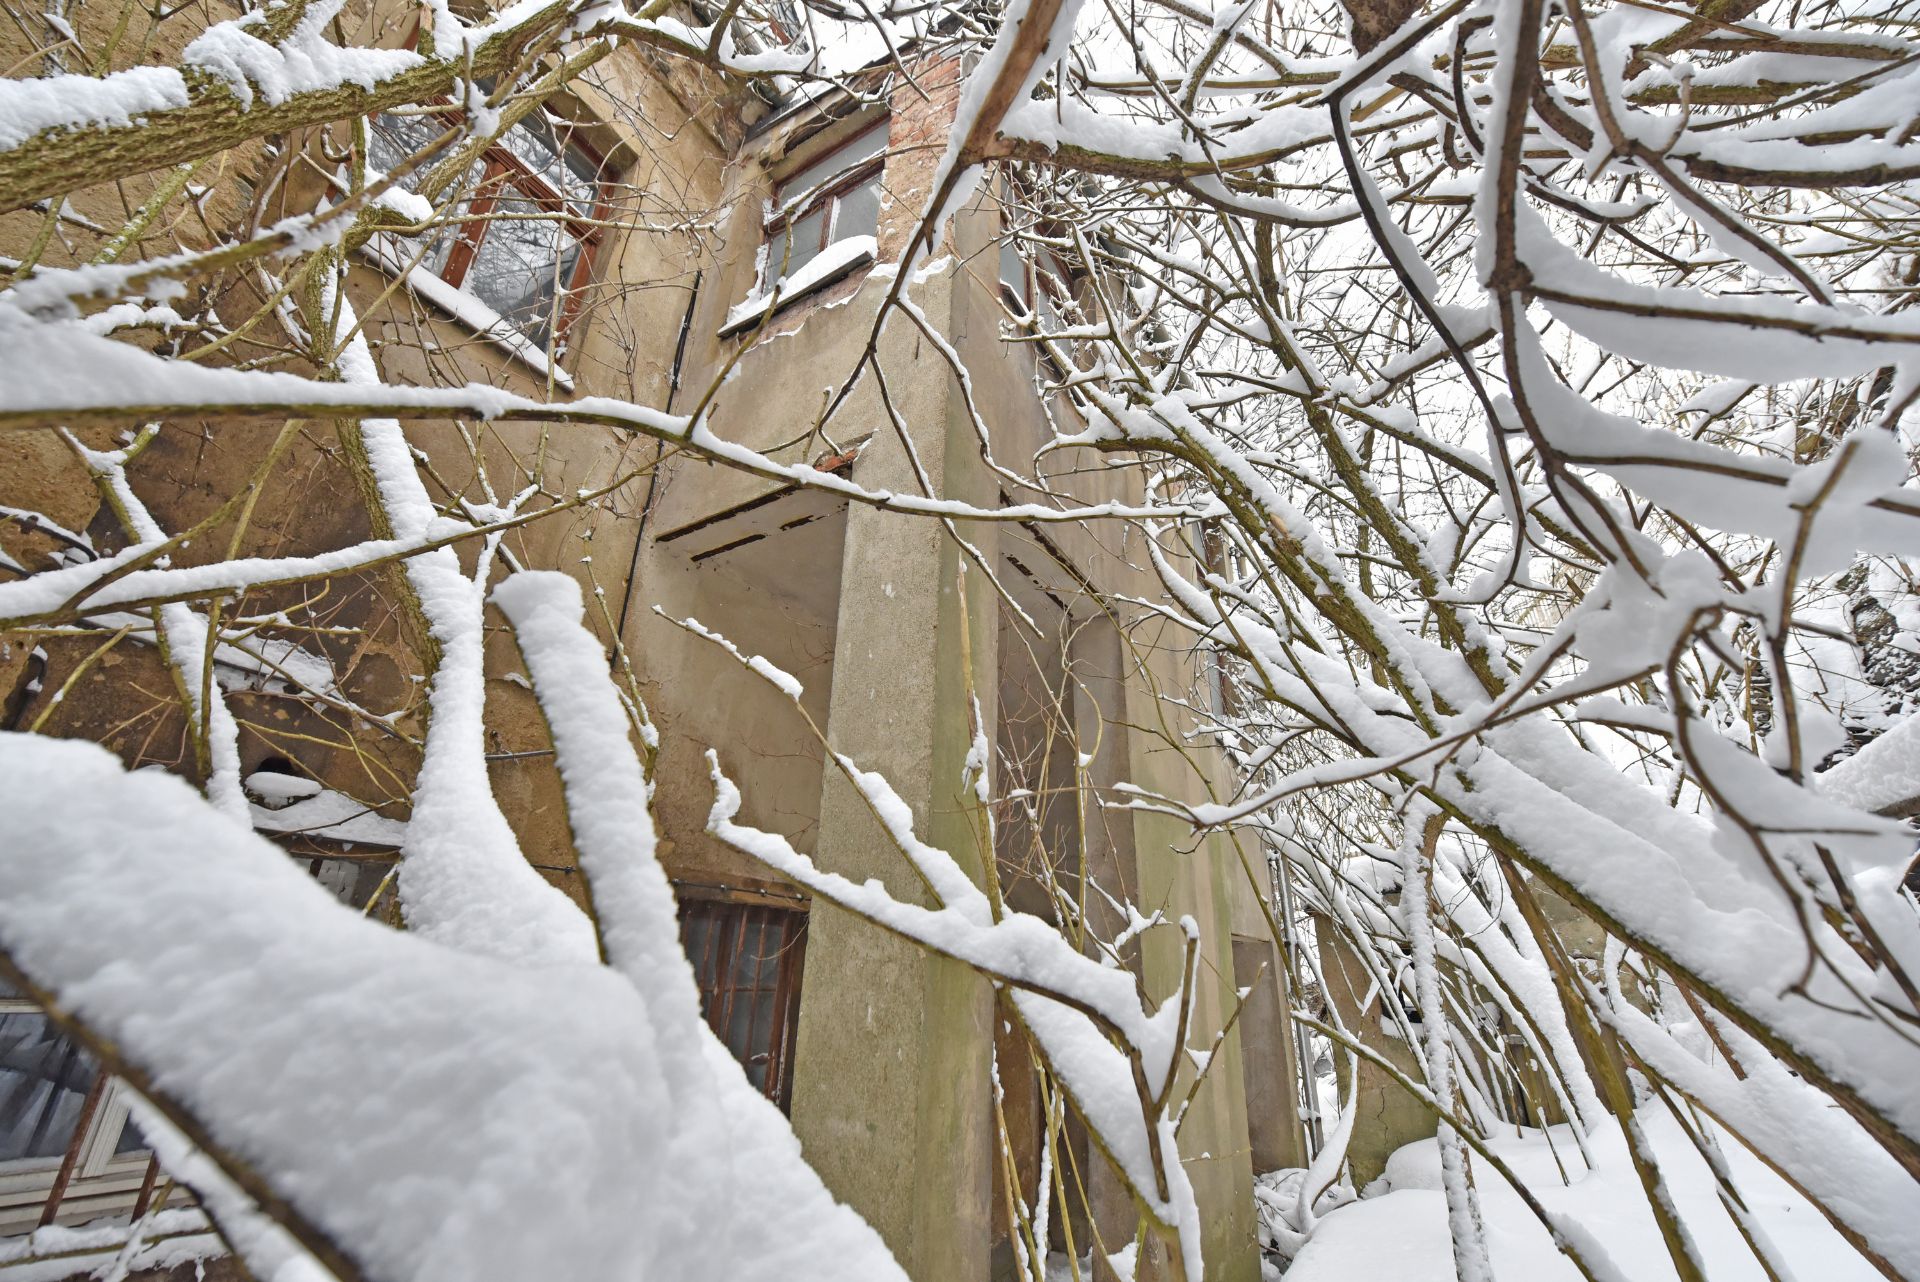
x: 102, y: 1129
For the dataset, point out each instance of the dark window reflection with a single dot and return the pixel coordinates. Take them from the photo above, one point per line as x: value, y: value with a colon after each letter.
x: 748, y: 959
x: 44, y: 1078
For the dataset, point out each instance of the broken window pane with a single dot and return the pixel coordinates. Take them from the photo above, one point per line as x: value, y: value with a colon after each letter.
x: 804, y: 241
x: 567, y: 169
x: 526, y: 248
x: 815, y: 178
x: 857, y: 213
x: 1013, y: 272
x: 391, y: 142
x: 44, y: 1079
x: 810, y: 215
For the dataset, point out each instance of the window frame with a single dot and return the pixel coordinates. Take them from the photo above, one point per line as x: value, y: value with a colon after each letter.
x: 712, y: 971
x: 1044, y: 276
x: 504, y: 174
x: 91, y: 1138
x: 26, y: 1184
x: 825, y: 197
x: 1036, y: 282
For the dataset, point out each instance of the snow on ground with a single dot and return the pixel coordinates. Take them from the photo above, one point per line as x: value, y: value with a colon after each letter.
x: 1401, y: 1236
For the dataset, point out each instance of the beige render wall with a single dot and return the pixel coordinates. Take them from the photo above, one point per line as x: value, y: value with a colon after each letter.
x: 669, y: 132
x: 697, y: 697
x: 862, y: 1082
x: 309, y: 499
x: 780, y: 597
x: 1168, y: 871
x: 891, y: 1089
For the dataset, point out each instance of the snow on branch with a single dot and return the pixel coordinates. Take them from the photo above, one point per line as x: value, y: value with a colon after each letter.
x: 1114, y: 1054
x: 408, y: 1111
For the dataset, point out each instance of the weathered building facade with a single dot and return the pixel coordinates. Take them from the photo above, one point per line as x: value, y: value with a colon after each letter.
x: 663, y: 209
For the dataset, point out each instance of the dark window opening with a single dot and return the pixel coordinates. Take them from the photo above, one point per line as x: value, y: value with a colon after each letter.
x: 65, y: 1133
x: 747, y: 959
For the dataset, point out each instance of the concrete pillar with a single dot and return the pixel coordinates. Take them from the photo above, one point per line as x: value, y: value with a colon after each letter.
x: 1152, y: 860
x: 1180, y: 876
x: 1267, y: 1056
x: 1181, y: 879
x: 1387, y: 1115
x: 891, y: 1096
x: 1097, y: 683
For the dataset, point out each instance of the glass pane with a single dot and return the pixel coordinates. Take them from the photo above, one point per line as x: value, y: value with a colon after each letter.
x: 774, y: 942
x: 392, y: 140
x: 337, y: 875
x: 131, y: 1140
x: 746, y: 962
x: 832, y: 165
x: 804, y: 241
x: 857, y: 213
x: 526, y: 254
x: 1044, y: 300
x: 739, y: 988
x: 776, y: 255
x: 1013, y: 271
x: 351, y: 881
x: 567, y: 168
x: 695, y: 928
x: 44, y: 1079
x: 760, y: 1055
x: 739, y: 1027
x: 747, y: 1035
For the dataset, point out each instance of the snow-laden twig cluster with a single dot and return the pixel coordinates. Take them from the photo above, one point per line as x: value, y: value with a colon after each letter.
x: 1515, y: 405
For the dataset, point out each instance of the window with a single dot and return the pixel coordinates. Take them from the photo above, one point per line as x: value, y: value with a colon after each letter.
x: 747, y: 959
x: 834, y: 199
x: 1033, y: 287
x: 1040, y: 291
x: 44, y: 1080
x: 520, y: 238
x: 783, y: 16
x: 64, y: 1130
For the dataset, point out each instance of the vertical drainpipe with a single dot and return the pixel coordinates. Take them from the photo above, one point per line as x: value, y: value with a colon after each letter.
x: 653, y: 477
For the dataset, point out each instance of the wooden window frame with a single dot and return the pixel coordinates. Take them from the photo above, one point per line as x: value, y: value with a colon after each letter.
x: 713, y: 973
x: 1031, y: 285
x: 1022, y: 298
x: 504, y: 173
x: 826, y: 197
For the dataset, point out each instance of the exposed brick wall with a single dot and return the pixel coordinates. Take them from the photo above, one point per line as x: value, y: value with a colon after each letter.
x: 917, y: 139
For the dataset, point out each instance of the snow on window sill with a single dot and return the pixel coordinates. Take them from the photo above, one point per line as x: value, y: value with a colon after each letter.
x: 835, y: 262
x: 283, y: 804
x: 392, y: 256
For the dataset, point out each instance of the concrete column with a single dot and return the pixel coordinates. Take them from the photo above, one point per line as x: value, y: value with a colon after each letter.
x: 1386, y: 1115
x: 1267, y: 1058
x: 1145, y: 858
x: 891, y: 1096
x: 1182, y: 877
x: 1097, y: 683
